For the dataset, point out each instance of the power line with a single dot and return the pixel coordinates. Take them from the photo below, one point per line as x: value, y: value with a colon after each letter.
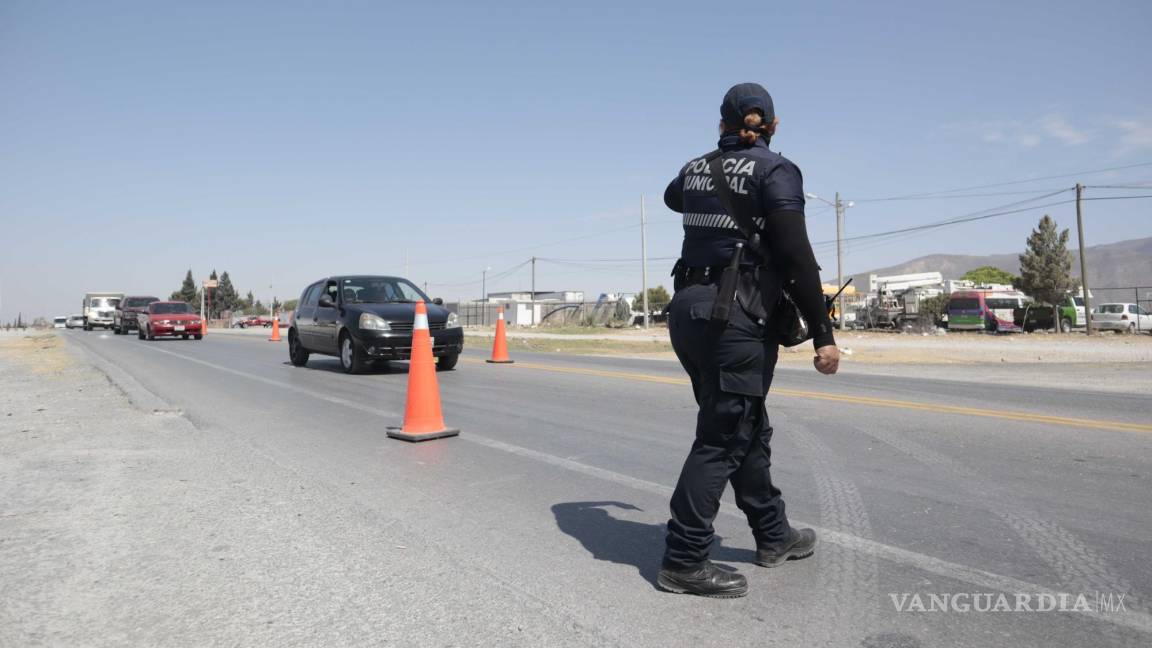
x: 949, y: 197
x: 973, y: 216
x: 890, y: 236
x: 1012, y: 182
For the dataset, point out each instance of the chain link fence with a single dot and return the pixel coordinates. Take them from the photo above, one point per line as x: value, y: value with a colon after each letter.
x: 1139, y: 295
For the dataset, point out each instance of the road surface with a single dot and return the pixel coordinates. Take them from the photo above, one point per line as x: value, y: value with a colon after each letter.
x: 542, y: 523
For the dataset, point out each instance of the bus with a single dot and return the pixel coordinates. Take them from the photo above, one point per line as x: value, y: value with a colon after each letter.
x: 984, y: 310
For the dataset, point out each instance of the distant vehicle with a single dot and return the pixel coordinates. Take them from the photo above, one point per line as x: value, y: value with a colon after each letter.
x: 365, y: 319
x: 60, y: 321
x: 124, y: 319
x: 253, y: 320
x: 984, y: 310
x: 1122, y: 318
x: 75, y: 321
x: 99, y: 309
x: 175, y: 318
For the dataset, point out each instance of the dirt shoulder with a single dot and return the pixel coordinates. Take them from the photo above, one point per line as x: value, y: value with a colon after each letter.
x: 867, y: 348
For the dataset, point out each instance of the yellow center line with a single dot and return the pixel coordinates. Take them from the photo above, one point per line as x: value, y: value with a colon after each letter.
x: 857, y: 400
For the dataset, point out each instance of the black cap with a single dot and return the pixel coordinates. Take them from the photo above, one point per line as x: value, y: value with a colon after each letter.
x: 742, y: 99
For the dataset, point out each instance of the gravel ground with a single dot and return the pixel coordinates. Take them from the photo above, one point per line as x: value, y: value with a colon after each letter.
x: 123, y: 524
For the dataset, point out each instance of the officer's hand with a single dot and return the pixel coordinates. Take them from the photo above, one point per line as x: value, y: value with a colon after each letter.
x: 827, y: 359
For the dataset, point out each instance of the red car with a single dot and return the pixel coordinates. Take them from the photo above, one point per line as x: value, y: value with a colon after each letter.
x: 254, y: 320
x: 173, y: 318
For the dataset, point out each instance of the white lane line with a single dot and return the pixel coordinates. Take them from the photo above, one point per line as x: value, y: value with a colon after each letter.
x: 979, y: 577
x: 283, y: 385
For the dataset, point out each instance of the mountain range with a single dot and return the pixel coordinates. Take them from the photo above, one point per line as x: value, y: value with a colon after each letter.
x: 1126, y: 264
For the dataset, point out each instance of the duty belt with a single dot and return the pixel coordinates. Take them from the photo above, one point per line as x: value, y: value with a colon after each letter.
x: 702, y: 275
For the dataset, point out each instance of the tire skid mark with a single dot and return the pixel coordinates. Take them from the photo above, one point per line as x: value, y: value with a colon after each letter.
x: 849, y: 578
x: 1078, y: 567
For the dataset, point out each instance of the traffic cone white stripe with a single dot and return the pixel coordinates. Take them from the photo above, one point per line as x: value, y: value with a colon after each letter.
x: 421, y: 322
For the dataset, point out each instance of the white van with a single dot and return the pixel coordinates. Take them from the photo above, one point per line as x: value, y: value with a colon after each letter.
x: 99, y: 307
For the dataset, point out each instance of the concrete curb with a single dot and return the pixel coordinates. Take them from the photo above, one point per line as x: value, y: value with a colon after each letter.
x: 140, y: 396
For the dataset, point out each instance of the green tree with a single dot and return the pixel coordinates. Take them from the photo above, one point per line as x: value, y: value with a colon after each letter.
x: 289, y: 305
x: 188, y: 292
x: 658, y: 298
x: 932, y: 310
x: 250, y: 301
x: 990, y: 275
x: 227, y: 298
x: 1046, y: 266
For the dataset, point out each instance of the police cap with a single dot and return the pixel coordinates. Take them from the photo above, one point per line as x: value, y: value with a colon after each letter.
x: 742, y: 98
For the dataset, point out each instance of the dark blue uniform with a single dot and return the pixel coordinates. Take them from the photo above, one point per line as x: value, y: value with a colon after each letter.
x: 730, y: 367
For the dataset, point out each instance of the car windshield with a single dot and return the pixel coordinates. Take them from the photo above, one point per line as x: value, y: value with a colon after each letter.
x: 379, y: 290
x: 180, y: 308
x: 1079, y: 301
x: 132, y: 302
x: 1112, y: 308
x: 964, y: 303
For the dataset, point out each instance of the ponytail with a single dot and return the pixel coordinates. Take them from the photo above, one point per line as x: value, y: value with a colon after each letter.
x: 753, y: 128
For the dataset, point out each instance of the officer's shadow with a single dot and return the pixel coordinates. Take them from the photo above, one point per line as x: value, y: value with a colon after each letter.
x: 625, y: 542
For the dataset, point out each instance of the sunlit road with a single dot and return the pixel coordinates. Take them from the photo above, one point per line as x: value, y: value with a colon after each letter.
x: 547, y: 512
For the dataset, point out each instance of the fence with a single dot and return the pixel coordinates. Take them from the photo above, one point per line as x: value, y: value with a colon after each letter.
x: 1139, y: 295
x: 605, y: 313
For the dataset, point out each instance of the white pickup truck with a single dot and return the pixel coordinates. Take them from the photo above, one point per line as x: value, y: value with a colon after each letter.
x: 99, y: 309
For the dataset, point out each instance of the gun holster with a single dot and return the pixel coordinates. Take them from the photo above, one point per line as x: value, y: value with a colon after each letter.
x: 726, y: 293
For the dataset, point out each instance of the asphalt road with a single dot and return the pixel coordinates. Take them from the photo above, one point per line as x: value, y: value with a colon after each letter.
x: 542, y: 523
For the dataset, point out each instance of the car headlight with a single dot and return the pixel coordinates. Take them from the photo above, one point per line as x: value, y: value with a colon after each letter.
x: 453, y: 321
x: 370, y: 322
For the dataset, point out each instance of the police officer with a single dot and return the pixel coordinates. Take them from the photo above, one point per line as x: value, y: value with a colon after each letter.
x: 731, y: 363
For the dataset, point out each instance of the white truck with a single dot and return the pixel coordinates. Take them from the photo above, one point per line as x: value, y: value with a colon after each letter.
x: 99, y: 309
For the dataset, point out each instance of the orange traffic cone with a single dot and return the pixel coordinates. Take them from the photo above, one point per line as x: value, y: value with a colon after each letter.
x: 275, y: 330
x: 423, y: 419
x: 500, y: 347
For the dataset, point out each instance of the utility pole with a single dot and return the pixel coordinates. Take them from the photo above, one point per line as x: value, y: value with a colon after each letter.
x: 840, y: 260
x: 1083, y: 261
x: 484, y: 287
x: 643, y: 262
x: 840, y: 206
x: 533, y: 319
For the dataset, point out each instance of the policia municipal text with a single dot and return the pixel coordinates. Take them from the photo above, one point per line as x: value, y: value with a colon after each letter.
x: 723, y: 324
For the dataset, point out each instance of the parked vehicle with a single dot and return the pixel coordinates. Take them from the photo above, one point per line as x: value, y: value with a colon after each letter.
x: 1122, y: 318
x: 984, y: 310
x: 253, y: 320
x: 124, y: 320
x: 74, y: 321
x: 365, y: 319
x: 60, y: 321
x: 99, y: 309
x: 1038, y: 317
x: 163, y: 318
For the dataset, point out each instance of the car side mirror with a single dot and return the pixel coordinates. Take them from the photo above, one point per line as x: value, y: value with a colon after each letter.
x: 326, y: 302
x: 438, y: 301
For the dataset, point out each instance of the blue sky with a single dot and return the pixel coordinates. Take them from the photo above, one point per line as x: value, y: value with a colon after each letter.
x: 283, y: 141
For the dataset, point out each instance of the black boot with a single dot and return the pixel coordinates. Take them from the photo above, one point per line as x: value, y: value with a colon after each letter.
x: 800, y: 544
x: 706, y: 580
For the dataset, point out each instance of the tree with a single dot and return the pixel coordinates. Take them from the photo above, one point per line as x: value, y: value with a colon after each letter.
x: 1046, y: 266
x: 188, y: 292
x: 658, y: 298
x: 250, y: 301
x: 990, y: 275
x: 932, y: 310
x: 226, y: 298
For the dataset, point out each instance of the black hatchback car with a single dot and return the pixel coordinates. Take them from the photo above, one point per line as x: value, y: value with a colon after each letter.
x: 364, y: 319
